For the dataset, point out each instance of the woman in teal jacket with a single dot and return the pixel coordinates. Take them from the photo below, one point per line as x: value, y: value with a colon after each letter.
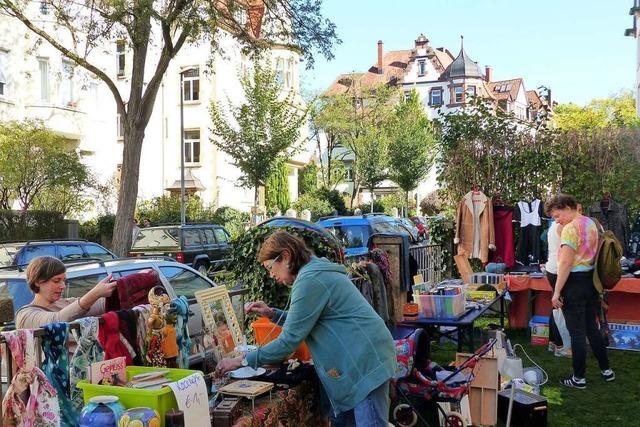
x: 352, y: 349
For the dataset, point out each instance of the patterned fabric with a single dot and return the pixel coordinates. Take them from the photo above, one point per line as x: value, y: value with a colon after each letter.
x: 41, y: 408
x: 110, y: 338
x: 181, y: 306
x: 581, y: 235
x: 141, y: 338
x: 56, y: 368
x: 87, y: 351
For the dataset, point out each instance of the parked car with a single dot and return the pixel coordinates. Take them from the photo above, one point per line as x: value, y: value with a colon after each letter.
x: 285, y: 221
x: 354, y: 231
x: 19, y: 254
x: 411, y: 228
x: 205, y: 247
x: 178, y: 279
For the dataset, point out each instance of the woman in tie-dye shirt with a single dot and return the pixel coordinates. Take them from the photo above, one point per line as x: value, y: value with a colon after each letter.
x: 574, y: 292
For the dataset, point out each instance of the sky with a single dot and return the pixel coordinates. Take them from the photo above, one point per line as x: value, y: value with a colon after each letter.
x: 576, y: 48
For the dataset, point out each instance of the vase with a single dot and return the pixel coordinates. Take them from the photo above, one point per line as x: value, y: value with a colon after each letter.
x: 140, y: 417
x: 101, y: 411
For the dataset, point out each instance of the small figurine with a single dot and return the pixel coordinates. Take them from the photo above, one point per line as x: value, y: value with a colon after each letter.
x: 156, y: 323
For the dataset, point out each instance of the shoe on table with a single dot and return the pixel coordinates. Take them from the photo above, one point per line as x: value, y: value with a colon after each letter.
x: 573, y: 382
x: 608, y: 375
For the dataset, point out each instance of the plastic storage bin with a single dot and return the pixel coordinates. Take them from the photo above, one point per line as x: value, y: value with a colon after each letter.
x: 442, y: 306
x: 539, y: 330
x: 161, y: 399
x: 266, y: 331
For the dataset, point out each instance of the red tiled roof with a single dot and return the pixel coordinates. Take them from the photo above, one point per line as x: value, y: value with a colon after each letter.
x: 534, y: 99
x: 510, y: 94
x: 444, y: 57
x: 394, y: 65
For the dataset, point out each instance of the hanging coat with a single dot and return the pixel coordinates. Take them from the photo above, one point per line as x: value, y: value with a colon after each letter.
x: 475, y: 233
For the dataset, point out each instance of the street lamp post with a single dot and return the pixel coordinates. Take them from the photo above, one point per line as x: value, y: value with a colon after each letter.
x: 183, y: 213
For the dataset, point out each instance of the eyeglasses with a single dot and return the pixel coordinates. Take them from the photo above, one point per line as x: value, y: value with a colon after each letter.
x: 270, y: 265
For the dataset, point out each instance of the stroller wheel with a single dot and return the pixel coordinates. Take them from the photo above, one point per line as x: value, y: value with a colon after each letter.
x: 454, y: 419
x: 404, y: 416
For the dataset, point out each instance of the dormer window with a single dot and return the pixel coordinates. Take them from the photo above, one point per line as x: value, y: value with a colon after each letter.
x: 422, y: 68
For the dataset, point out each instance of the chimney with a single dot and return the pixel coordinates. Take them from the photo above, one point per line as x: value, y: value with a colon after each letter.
x: 488, y: 73
x: 380, y: 56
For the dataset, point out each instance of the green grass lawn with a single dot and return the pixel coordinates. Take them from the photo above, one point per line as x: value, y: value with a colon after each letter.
x: 601, y: 404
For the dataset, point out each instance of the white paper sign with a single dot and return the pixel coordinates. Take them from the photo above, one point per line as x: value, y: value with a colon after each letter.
x: 191, y: 395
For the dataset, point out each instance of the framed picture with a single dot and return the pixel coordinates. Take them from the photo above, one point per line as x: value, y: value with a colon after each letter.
x: 220, y: 321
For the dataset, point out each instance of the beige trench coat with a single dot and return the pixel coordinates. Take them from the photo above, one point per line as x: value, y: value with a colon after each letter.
x: 475, y: 234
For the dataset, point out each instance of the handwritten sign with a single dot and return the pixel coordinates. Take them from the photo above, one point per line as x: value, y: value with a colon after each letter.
x: 191, y: 395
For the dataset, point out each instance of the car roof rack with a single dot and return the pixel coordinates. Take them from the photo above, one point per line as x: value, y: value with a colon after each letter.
x: 366, y: 215
x: 27, y: 242
x: 322, y: 218
x: 164, y: 224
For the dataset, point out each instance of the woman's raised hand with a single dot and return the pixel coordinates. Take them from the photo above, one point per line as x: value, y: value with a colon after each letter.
x: 259, y: 307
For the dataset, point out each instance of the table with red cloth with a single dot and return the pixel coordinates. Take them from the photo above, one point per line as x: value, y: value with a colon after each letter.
x: 623, y: 299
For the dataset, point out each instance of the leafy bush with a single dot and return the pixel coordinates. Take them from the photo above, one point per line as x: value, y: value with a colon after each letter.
x: 319, y: 207
x: 231, y: 219
x: 166, y: 210
x: 246, y: 270
x: 366, y: 207
x: 31, y: 225
x: 334, y: 198
x: 441, y: 231
x: 89, y: 230
x: 277, y: 188
x: 396, y: 200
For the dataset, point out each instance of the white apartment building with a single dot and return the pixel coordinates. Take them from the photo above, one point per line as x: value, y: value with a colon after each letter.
x: 634, y: 32
x: 36, y: 81
x: 444, y: 83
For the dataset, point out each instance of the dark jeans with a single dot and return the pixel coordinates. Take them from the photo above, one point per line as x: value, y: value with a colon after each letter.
x: 554, y: 333
x: 581, y: 304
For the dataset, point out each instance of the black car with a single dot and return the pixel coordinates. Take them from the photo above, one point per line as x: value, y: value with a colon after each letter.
x: 204, y: 247
x: 19, y: 254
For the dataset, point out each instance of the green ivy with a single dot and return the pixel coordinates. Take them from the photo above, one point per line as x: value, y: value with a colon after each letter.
x: 307, y: 179
x: 248, y: 272
x: 277, y: 188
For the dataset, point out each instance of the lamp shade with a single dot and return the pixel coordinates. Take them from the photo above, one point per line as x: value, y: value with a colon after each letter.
x: 511, y: 367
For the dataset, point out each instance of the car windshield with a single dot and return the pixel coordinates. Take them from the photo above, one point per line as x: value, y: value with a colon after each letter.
x: 157, y: 238
x: 351, y: 236
x: 7, y: 253
x: 389, y: 227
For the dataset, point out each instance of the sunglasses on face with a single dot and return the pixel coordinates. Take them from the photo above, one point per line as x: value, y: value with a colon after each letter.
x: 270, y: 265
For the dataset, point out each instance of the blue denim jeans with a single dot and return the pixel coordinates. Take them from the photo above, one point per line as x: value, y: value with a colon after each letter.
x: 373, y: 411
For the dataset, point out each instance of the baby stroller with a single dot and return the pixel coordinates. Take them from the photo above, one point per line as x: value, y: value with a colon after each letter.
x: 417, y: 379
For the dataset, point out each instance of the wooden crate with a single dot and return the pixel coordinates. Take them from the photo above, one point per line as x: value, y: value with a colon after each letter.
x: 483, y: 393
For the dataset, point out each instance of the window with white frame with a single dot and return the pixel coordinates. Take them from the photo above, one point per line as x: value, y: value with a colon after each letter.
x: 191, y: 84
x: 4, y: 72
x: 288, y: 76
x: 120, y: 57
x: 66, y: 83
x: 348, y: 174
x: 407, y: 94
x: 471, y: 92
x: 280, y: 71
x: 119, y: 127
x: 192, y: 146
x: 44, y: 79
x: 422, y: 68
x: 458, y: 94
x: 435, y: 96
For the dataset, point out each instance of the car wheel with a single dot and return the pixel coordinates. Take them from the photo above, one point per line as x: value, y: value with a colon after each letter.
x: 203, y: 269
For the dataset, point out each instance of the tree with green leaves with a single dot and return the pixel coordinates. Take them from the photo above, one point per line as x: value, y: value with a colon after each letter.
x: 371, y: 149
x: 308, y: 178
x: 412, y: 145
x: 35, y: 163
x: 487, y: 148
x: 82, y: 29
x: 260, y: 131
x: 277, y: 188
x: 618, y: 110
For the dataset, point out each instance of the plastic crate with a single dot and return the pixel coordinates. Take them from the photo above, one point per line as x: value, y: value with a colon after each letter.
x: 162, y: 400
x: 442, y: 306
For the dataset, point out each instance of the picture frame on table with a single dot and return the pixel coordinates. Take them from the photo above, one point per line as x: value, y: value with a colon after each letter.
x: 624, y: 336
x: 220, y: 321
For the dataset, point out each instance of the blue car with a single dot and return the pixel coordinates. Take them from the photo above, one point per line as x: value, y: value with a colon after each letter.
x: 354, y: 231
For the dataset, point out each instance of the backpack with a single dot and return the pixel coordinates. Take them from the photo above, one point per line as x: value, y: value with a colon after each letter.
x: 607, y: 271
